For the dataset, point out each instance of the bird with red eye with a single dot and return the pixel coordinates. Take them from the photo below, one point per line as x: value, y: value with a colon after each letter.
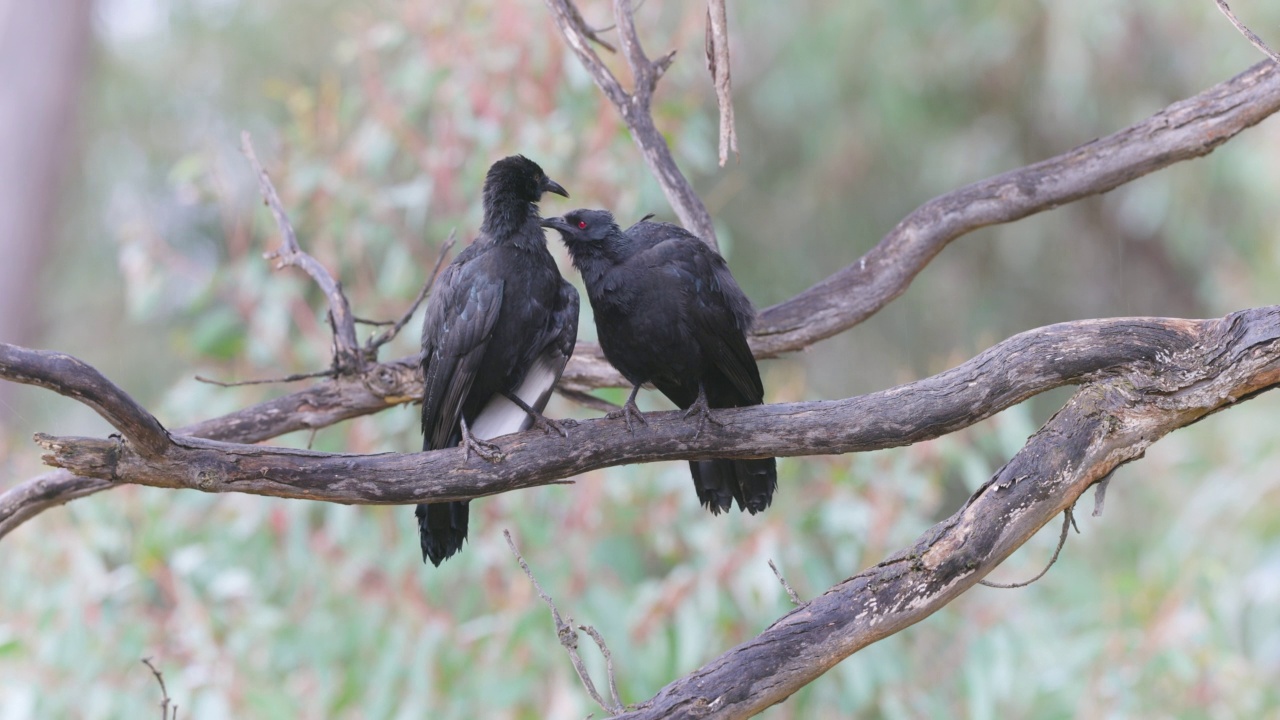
x: 668, y: 312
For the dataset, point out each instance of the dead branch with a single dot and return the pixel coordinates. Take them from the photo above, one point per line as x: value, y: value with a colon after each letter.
x: 346, y: 349
x: 717, y: 43
x: 1067, y: 522
x: 1026, y: 364
x: 791, y: 593
x: 165, y: 713
x: 79, y: 381
x: 1249, y: 35
x: 1187, y: 129
x: 268, y: 381
x: 1105, y: 425
x: 569, y: 639
x: 634, y: 107
x: 1143, y: 378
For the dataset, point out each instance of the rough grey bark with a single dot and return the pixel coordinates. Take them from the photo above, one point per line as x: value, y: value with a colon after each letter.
x: 1187, y: 129
x: 1143, y: 378
x: 1026, y: 364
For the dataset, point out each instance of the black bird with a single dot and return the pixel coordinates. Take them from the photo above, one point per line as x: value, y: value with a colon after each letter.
x: 500, y: 326
x: 669, y: 312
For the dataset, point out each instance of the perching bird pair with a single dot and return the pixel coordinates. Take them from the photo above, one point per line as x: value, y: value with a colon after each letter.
x: 501, y: 324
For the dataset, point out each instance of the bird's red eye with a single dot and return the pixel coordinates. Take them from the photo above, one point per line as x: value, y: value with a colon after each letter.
x: 582, y: 224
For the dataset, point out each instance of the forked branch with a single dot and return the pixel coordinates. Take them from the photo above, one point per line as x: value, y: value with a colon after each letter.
x: 1143, y: 379
x: 347, y: 357
x: 1187, y: 129
x: 634, y: 107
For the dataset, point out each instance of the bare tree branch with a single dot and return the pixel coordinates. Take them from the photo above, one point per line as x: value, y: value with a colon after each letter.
x: 569, y: 639
x: 1143, y: 379
x: 346, y: 348
x: 68, y: 376
x: 377, y: 388
x: 1187, y: 129
x: 164, y: 692
x: 1249, y: 35
x: 268, y: 381
x: 791, y: 593
x: 634, y: 107
x: 1067, y: 521
x: 1105, y: 425
x: 1006, y: 374
x: 580, y: 25
x: 717, y: 43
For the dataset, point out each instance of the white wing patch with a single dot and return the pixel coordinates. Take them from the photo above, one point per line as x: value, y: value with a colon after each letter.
x: 501, y: 417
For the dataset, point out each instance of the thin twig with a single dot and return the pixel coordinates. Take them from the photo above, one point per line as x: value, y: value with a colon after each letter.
x: 346, y: 348
x: 164, y: 692
x: 365, y: 321
x: 1100, y: 494
x: 580, y: 24
x: 568, y: 637
x: 717, y: 47
x: 795, y: 599
x: 608, y: 663
x: 1249, y: 34
x: 1067, y: 521
x: 331, y: 372
x: 389, y: 335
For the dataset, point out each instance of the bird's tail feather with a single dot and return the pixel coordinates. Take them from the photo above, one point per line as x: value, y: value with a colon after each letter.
x: 720, y: 482
x: 442, y: 528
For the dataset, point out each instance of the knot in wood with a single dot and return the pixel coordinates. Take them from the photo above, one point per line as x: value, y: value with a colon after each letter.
x: 206, y: 479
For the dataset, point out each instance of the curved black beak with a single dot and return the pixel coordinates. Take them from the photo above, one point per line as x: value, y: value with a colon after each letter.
x: 558, y: 224
x: 555, y: 187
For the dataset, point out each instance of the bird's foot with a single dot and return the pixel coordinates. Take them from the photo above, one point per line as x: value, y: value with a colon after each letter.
x: 703, y: 411
x: 629, y: 412
x: 548, y: 426
x: 485, y: 449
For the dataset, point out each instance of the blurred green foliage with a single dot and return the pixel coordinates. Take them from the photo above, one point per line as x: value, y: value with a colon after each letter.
x: 378, y: 121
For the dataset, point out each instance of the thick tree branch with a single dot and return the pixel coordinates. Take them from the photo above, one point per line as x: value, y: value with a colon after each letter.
x: 1105, y: 425
x: 1144, y: 378
x: 377, y: 388
x: 1186, y: 129
x: 68, y: 376
x: 994, y: 380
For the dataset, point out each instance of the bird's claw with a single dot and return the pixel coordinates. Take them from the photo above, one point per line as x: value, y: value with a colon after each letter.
x: 703, y: 411
x: 629, y: 412
x: 485, y: 449
x: 547, y: 425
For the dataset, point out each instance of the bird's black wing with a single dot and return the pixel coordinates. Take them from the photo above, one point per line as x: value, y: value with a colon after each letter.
x: 557, y: 343
x: 547, y: 355
x: 717, y: 311
x: 456, y: 330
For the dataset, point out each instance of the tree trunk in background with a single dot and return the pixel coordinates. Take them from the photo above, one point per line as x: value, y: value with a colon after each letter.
x: 44, y: 52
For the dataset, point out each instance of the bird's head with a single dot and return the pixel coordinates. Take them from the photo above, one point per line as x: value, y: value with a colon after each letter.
x: 583, y: 230
x: 519, y: 178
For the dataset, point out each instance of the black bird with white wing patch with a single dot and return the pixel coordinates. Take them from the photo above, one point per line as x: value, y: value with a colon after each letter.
x: 669, y: 312
x: 500, y: 325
